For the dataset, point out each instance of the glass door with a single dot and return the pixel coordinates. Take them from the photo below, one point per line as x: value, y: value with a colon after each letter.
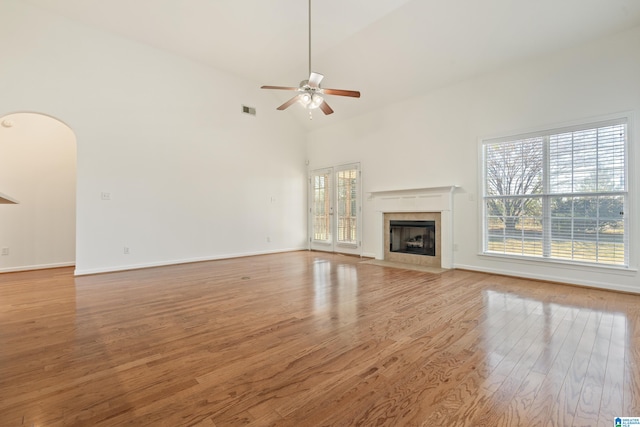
x: 335, y: 209
x: 321, y: 210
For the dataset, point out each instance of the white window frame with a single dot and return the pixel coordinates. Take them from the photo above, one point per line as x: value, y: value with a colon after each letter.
x: 629, y: 200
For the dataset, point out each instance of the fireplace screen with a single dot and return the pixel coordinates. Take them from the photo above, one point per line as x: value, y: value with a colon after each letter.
x: 413, y: 237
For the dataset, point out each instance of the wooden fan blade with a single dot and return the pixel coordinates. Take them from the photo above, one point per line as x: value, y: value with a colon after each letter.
x: 351, y: 93
x: 315, y: 79
x: 289, y: 103
x: 325, y: 108
x: 279, y: 87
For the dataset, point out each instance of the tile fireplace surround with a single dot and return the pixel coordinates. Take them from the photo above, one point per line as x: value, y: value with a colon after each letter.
x: 433, y: 203
x: 423, y: 260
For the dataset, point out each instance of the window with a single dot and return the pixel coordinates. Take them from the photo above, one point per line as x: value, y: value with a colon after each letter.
x: 559, y: 194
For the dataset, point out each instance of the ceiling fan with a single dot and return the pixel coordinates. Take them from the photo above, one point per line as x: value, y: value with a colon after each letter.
x: 310, y: 94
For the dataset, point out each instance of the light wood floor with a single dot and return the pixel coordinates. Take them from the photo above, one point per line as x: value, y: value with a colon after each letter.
x: 311, y: 339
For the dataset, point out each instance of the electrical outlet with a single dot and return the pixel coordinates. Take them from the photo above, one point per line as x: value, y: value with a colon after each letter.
x: 105, y: 195
x: 126, y: 250
x: 5, y: 251
x: 268, y: 239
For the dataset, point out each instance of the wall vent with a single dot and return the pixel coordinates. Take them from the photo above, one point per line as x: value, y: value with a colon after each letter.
x: 249, y: 110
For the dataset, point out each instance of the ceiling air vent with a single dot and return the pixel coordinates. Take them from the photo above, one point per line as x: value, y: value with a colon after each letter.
x: 249, y: 110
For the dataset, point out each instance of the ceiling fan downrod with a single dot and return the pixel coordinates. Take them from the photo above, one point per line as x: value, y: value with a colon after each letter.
x: 309, y: 10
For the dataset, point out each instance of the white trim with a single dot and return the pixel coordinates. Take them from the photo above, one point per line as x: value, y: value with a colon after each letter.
x: 558, y: 130
x: 566, y: 264
x: 633, y: 203
x: 37, y: 267
x: 551, y: 278
x: 480, y: 186
x: 99, y: 270
x: 628, y: 114
x: 408, y: 191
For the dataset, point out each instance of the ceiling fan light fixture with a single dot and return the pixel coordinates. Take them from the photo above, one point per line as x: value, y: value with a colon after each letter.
x: 316, y: 100
x: 305, y: 99
x: 311, y: 101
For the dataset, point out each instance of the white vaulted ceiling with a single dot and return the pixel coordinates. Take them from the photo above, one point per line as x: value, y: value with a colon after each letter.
x: 387, y: 49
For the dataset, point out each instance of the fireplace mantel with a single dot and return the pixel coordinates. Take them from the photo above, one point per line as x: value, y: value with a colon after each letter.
x: 411, y: 191
x: 419, y: 200
x: 427, y: 199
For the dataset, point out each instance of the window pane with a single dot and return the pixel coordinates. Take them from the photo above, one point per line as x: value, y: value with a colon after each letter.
x: 589, y: 160
x: 347, y: 204
x: 611, y: 230
x: 588, y: 229
x: 514, y: 167
x: 611, y: 145
x: 514, y: 226
x: 321, y: 204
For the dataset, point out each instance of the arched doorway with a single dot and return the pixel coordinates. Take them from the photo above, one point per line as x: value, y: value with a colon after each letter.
x: 38, y: 173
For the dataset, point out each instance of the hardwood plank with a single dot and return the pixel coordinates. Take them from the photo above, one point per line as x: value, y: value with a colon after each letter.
x: 612, y: 401
x: 588, y: 409
x: 305, y: 339
x: 631, y: 389
x: 562, y: 348
x: 516, y: 408
x: 564, y: 408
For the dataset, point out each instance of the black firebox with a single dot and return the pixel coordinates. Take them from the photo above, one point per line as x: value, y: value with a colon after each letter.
x: 413, y: 237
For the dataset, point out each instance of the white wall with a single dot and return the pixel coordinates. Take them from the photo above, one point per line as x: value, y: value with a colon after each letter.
x: 37, y: 168
x: 190, y: 177
x: 433, y: 140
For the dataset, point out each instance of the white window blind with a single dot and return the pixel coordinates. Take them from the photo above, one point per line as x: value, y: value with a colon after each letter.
x: 559, y: 194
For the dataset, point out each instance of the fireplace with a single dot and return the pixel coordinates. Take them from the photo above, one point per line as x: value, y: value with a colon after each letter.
x: 432, y: 205
x: 408, y: 248
x: 413, y: 237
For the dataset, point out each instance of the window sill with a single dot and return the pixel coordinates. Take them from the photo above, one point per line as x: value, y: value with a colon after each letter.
x: 572, y: 265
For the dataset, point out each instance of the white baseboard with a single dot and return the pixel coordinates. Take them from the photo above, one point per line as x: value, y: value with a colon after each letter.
x: 84, y: 272
x: 549, y: 278
x: 36, y: 267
